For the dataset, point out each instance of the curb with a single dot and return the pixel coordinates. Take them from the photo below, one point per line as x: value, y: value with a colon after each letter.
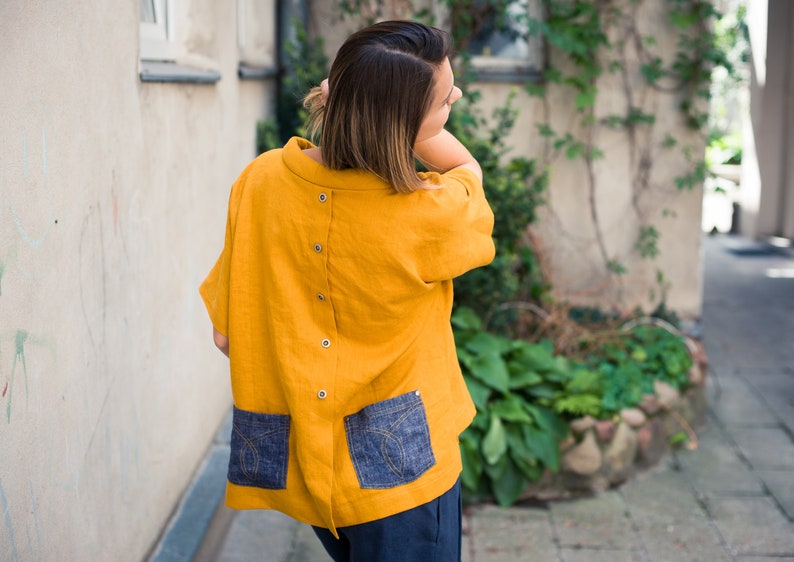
x: 198, y: 526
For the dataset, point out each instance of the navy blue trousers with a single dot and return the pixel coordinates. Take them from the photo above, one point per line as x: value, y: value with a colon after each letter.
x: 427, y: 533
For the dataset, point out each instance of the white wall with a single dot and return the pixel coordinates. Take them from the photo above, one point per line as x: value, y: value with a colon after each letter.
x: 112, y: 209
x: 766, y: 194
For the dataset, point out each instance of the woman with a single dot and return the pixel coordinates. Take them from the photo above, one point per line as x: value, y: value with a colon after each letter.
x: 332, y: 299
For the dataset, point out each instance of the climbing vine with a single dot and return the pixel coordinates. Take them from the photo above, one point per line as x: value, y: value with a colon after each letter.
x: 591, y: 40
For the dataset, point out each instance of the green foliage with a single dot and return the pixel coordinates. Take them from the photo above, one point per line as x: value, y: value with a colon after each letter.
x: 724, y: 149
x: 628, y: 366
x: 525, y: 396
x: 647, y: 243
x: 516, y: 431
x: 693, y: 177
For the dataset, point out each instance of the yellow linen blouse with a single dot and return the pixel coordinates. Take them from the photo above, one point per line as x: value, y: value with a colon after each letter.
x: 335, y: 293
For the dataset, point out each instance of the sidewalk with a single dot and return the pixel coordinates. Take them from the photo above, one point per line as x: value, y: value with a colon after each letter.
x: 731, y: 500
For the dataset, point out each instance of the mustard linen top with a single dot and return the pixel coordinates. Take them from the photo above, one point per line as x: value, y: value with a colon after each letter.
x: 335, y: 293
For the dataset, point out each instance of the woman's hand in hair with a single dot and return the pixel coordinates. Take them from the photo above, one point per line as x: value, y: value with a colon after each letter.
x: 443, y: 152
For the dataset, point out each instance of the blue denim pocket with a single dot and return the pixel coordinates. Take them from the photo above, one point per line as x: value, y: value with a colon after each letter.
x: 259, y: 450
x: 389, y: 442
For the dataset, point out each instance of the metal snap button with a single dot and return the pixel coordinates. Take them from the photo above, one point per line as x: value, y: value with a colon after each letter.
x: 322, y: 394
x: 318, y: 248
x: 326, y: 343
x: 322, y: 197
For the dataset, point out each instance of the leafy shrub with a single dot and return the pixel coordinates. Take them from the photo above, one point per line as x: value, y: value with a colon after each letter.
x: 526, y: 395
x: 515, y: 433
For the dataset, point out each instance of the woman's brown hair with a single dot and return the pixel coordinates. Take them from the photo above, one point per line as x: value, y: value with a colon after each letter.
x: 381, y: 87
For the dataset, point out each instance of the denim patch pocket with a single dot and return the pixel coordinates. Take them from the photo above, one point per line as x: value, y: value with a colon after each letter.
x: 259, y: 450
x: 389, y: 442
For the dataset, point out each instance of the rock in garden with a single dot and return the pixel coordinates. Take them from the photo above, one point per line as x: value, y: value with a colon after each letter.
x: 580, y: 425
x: 695, y: 374
x: 633, y: 416
x: 605, y: 429
x: 668, y: 396
x: 650, y: 404
x: 620, y: 454
x: 585, y: 458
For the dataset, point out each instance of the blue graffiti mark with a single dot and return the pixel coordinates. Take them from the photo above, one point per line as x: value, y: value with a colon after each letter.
x: 25, y: 153
x: 19, y: 356
x: 35, y: 513
x: 9, y: 524
x: 35, y: 242
x: 44, y: 151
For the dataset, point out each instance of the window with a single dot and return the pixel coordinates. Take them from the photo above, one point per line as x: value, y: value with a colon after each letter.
x: 502, y: 50
x: 155, y: 32
x: 162, y: 58
x: 256, y: 38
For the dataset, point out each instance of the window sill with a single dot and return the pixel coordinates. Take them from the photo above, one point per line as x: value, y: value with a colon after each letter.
x: 253, y: 72
x: 159, y: 71
x: 511, y: 71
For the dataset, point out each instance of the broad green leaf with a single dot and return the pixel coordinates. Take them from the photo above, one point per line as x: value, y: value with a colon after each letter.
x: 543, y: 445
x: 479, y: 392
x: 483, y: 342
x: 533, y: 471
x: 535, y: 357
x: 465, y: 318
x: 517, y: 447
x: 549, y: 421
x: 494, y: 444
x: 496, y: 471
x: 510, y: 409
x: 544, y: 390
x: 584, y: 381
x: 521, y: 377
x: 508, y: 488
x: 490, y: 369
x: 472, y: 464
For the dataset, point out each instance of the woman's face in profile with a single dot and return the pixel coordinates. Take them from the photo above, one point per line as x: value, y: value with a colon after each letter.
x: 445, y: 93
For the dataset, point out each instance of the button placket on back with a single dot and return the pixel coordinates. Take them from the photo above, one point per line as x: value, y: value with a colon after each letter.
x: 325, y: 343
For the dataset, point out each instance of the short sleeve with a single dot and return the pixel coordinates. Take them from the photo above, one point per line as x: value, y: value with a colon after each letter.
x: 214, y: 290
x: 462, y: 224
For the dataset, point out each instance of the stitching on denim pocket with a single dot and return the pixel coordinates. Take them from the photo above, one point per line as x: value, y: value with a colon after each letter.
x: 259, y: 450
x: 389, y: 442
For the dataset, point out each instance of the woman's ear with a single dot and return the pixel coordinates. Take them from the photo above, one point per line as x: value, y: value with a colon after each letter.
x: 324, y: 90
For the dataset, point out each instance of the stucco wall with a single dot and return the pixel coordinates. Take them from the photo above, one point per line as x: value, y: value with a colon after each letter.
x: 112, y: 209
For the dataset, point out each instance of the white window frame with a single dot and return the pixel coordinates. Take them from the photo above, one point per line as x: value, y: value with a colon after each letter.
x: 256, y: 44
x: 156, y: 38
